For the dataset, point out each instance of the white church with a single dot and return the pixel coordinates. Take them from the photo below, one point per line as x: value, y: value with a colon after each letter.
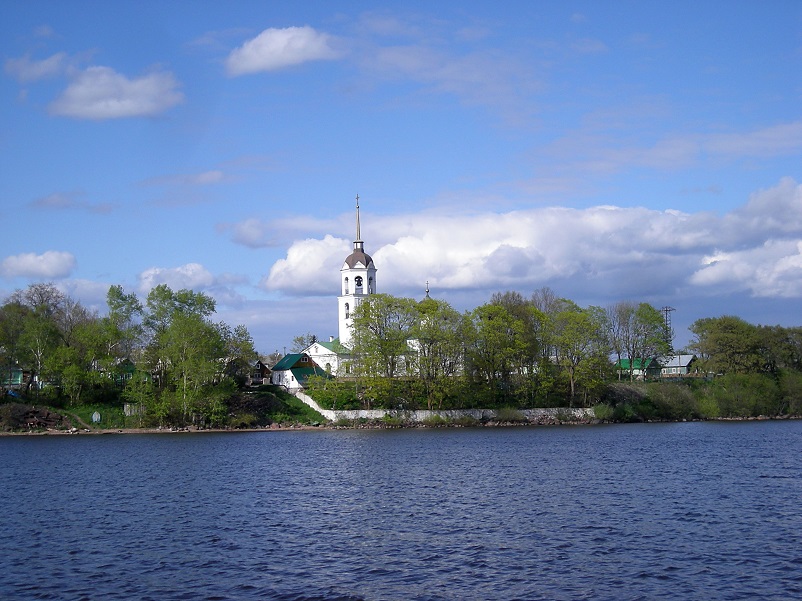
x: 357, y: 281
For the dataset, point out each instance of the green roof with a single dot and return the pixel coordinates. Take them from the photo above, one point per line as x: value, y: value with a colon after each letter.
x: 637, y: 364
x: 302, y: 374
x: 287, y: 361
x: 335, y: 346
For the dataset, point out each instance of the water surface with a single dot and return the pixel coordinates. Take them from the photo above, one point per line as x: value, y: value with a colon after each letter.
x: 653, y: 511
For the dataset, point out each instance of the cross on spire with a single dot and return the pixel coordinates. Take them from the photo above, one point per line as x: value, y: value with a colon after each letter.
x: 358, y: 234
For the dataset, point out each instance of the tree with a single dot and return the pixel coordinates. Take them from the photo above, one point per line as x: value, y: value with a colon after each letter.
x: 383, y: 326
x: 636, y: 331
x: 580, y: 343
x: 299, y: 343
x: 495, y: 346
x: 239, y: 351
x: 727, y: 344
x: 123, y: 322
x: 192, y: 349
x: 438, y: 336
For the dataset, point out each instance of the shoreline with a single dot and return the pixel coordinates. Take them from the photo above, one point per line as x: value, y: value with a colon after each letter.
x: 370, y: 426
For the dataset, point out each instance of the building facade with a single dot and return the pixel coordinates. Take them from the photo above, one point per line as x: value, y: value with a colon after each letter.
x: 357, y: 282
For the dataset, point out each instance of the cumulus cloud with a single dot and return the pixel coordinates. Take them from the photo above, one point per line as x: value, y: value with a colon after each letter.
x: 100, y: 93
x: 279, y: 48
x: 311, y: 267
x: 50, y: 264
x: 616, y: 252
x: 26, y: 70
x: 192, y: 276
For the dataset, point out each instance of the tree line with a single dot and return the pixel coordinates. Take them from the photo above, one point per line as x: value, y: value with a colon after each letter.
x: 167, y: 355
x: 547, y: 351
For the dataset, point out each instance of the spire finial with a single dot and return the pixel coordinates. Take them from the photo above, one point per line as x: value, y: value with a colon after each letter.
x: 427, y: 288
x: 358, y: 234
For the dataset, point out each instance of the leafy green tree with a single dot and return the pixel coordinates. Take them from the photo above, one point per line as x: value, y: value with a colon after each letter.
x: 162, y: 308
x: 13, y: 316
x: 579, y: 342
x: 438, y: 336
x: 383, y: 325
x: 496, y: 343
x: 240, y: 354
x: 727, y: 345
x: 123, y: 322
x: 192, y: 349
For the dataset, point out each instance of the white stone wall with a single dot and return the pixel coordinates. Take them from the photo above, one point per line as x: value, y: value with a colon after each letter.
x: 451, y: 414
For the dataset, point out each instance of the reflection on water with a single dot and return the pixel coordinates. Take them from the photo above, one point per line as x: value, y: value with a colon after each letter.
x: 668, y: 511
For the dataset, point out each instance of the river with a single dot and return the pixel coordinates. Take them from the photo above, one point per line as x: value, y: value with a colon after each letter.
x: 648, y: 511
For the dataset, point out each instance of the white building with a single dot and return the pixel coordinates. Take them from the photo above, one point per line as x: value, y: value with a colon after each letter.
x: 357, y: 282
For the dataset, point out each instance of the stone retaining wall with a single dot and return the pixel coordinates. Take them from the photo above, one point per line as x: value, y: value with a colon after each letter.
x: 423, y: 415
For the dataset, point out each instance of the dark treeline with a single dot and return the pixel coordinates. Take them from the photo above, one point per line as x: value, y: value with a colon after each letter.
x: 167, y: 356
x: 546, y: 351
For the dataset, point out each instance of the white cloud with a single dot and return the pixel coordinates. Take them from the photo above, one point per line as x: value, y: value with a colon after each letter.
x: 616, y: 252
x: 278, y: 48
x: 311, y: 267
x: 100, y: 93
x: 773, y: 269
x: 50, y: 264
x: 253, y: 233
x: 24, y: 69
x: 192, y: 276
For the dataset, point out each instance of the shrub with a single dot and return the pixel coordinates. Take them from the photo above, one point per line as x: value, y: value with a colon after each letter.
x: 511, y: 415
x: 672, y: 400
x: 435, y: 421
x: 603, y: 411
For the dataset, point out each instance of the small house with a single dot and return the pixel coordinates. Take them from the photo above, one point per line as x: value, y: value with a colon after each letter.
x: 677, y: 366
x: 294, y: 370
x: 641, y: 369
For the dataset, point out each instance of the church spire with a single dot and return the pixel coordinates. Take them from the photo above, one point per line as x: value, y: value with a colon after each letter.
x: 358, y: 244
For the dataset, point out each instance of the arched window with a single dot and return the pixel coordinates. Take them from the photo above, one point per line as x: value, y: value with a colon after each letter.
x: 346, y: 286
x: 370, y: 285
x: 358, y: 284
x: 347, y: 311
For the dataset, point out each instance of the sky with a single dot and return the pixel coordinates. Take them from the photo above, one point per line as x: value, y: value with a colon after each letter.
x: 611, y: 151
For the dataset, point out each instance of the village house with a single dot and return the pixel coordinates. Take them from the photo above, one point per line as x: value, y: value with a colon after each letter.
x: 293, y: 370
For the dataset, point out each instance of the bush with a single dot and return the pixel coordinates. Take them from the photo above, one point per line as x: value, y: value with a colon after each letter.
x: 435, y: 421
x: 672, y: 400
x: 746, y: 395
x: 603, y: 411
x: 510, y: 415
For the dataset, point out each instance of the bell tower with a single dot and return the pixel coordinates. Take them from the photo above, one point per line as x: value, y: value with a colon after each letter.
x: 357, y: 280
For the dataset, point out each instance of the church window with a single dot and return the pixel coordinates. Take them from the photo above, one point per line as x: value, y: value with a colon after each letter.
x: 346, y: 286
x: 347, y: 311
x: 370, y: 285
x: 358, y: 284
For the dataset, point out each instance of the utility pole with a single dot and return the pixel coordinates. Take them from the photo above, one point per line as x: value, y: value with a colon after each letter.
x: 668, y: 331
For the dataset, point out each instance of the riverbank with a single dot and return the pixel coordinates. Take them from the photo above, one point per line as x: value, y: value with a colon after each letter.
x: 370, y: 425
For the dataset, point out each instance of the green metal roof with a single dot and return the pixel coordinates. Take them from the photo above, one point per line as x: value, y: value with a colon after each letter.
x: 302, y: 374
x: 637, y: 364
x: 335, y: 346
x: 287, y: 361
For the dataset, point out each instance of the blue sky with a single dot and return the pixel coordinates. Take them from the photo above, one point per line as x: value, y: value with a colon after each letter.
x: 643, y: 151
